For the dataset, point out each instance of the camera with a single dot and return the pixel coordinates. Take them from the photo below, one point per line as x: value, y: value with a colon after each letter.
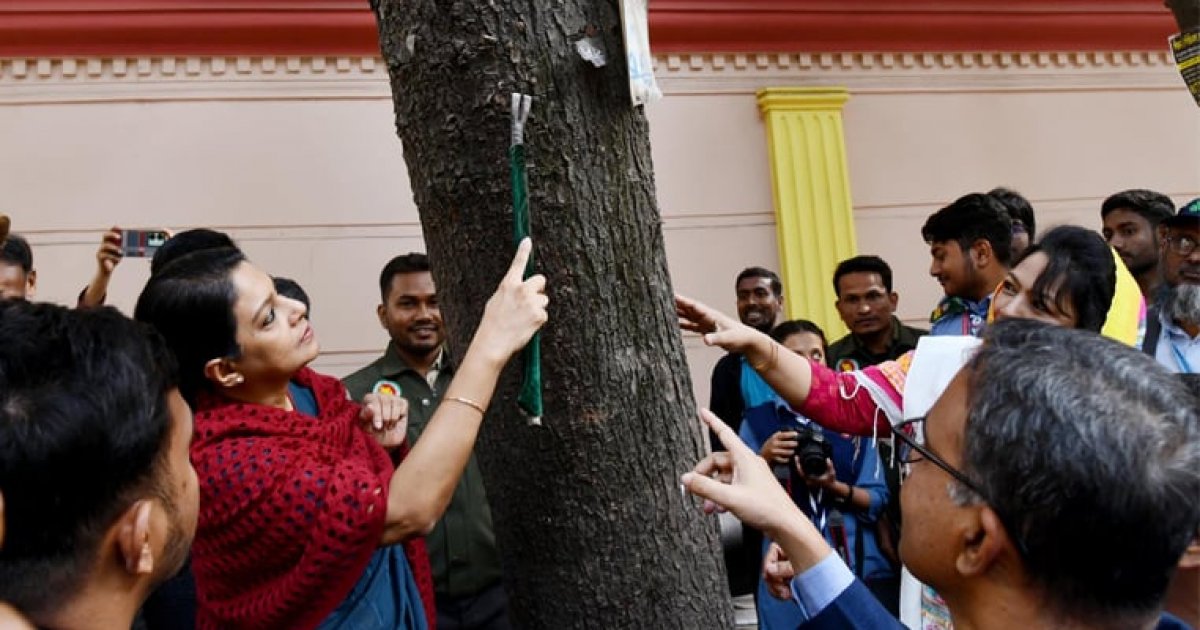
x: 812, y: 449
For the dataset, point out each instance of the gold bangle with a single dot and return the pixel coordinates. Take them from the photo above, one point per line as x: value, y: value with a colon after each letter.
x: 468, y: 402
x: 770, y: 362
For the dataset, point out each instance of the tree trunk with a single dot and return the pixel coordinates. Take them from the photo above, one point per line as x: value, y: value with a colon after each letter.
x: 590, y: 519
x: 1187, y: 13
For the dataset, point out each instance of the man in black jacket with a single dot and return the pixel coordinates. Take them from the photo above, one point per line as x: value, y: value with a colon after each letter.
x: 759, y: 305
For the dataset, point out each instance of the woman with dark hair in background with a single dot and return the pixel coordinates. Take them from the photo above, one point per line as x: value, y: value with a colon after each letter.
x: 303, y: 511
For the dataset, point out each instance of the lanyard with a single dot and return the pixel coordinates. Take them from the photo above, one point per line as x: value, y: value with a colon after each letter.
x: 1181, y: 360
x: 818, y: 511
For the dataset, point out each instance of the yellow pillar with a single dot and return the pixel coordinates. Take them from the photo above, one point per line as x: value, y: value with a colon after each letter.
x: 811, y: 187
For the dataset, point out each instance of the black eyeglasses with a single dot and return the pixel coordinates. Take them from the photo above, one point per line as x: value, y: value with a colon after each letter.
x: 1181, y: 245
x: 909, y: 451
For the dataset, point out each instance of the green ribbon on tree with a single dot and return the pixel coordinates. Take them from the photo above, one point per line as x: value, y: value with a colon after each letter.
x: 530, y: 398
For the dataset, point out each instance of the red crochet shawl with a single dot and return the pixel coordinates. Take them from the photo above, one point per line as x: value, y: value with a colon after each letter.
x: 291, y: 509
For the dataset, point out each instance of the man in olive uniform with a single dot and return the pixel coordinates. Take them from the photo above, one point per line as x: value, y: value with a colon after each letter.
x: 462, y: 546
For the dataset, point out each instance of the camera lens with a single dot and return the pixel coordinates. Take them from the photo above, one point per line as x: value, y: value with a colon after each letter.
x: 812, y: 462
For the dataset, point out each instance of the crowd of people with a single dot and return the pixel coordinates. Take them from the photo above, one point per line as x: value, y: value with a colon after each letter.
x: 868, y: 395
x: 302, y: 507
x: 1032, y: 459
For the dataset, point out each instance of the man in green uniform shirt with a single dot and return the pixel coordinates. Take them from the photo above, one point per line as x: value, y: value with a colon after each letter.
x: 866, y: 303
x: 462, y: 547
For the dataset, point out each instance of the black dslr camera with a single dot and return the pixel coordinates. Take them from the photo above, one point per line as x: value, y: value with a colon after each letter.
x: 812, y: 449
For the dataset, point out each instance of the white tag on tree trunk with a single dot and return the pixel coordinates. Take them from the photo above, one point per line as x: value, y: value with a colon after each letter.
x: 635, y: 24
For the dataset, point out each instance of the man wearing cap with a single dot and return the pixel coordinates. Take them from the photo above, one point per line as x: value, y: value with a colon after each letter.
x: 1173, y: 338
x: 415, y: 365
x: 1173, y: 325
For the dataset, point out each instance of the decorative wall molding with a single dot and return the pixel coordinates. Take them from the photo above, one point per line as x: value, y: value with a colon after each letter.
x: 167, y: 78
x: 865, y: 72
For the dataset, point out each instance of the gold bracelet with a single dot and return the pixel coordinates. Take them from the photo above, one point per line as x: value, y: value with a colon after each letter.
x: 468, y: 402
x: 770, y: 362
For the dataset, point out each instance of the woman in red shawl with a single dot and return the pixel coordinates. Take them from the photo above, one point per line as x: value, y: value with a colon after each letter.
x: 301, y: 506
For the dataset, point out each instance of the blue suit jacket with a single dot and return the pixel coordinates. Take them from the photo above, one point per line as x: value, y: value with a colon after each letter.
x: 857, y: 609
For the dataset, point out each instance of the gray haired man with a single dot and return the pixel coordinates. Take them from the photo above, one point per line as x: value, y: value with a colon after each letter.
x: 1173, y: 326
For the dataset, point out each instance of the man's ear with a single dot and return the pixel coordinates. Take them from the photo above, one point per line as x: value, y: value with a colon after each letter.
x: 134, y: 539
x: 222, y: 373
x: 381, y: 313
x: 982, y: 253
x: 984, y: 542
x: 894, y: 298
x: 31, y: 284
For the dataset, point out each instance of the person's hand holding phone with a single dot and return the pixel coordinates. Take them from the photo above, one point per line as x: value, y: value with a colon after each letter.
x: 109, y: 255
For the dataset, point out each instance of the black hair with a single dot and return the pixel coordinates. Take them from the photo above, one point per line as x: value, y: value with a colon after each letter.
x: 761, y: 272
x: 84, y: 432
x: 186, y: 242
x: 1080, y: 272
x: 15, y: 251
x: 190, y: 302
x: 412, y: 262
x: 291, y: 289
x: 795, y: 327
x: 1080, y: 443
x: 969, y: 219
x: 1019, y: 208
x: 863, y: 264
x: 1148, y: 204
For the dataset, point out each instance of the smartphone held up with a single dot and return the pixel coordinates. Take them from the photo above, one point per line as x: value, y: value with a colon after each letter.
x: 142, y: 243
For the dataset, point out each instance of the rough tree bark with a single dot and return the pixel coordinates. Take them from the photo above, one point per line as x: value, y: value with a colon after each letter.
x: 1187, y: 13
x: 590, y: 519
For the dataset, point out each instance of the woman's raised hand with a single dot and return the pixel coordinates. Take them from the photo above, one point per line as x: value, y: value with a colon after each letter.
x: 717, y: 328
x: 515, y: 311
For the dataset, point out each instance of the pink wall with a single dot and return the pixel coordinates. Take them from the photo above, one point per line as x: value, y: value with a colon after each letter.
x: 296, y: 157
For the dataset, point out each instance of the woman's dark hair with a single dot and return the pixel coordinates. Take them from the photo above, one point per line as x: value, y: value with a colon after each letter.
x: 1080, y: 273
x: 190, y: 303
x: 1019, y: 208
x: 186, y: 242
x: 795, y: 327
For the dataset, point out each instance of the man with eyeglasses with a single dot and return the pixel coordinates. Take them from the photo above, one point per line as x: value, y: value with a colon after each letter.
x: 1052, y: 485
x: 1173, y: 326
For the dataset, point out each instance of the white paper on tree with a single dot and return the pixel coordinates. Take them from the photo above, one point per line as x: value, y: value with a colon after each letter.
x: 635, y: 23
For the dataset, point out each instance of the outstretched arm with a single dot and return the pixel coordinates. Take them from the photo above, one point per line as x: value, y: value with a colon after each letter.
x: 788, y: 373
x: 108, y: 256
x: 810, y: 388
